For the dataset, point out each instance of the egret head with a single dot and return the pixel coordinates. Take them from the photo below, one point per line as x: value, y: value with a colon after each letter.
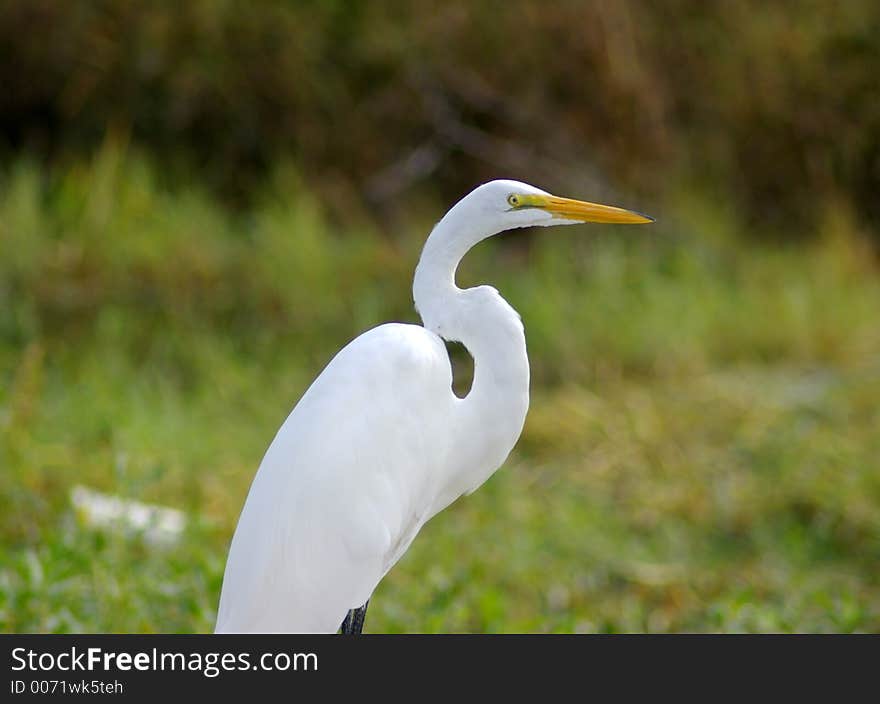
x: 514, y: 204
x: 487, y: 210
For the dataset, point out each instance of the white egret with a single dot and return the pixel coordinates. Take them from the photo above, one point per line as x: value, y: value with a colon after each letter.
x: 379, y: 443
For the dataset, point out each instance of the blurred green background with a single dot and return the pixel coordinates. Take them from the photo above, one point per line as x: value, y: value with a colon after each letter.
x: 201, y: 202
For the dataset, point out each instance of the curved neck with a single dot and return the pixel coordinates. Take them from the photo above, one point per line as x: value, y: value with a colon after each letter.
x: 434, y: 289
x: 492, y: 332
x: 438, y: 300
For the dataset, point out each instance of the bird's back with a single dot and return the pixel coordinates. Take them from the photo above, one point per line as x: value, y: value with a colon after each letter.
x: 355, y: 468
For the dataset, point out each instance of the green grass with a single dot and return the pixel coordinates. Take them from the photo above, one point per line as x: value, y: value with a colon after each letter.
x: 701, y: 453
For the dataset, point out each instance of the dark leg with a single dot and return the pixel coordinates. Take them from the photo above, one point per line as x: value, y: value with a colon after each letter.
x: 354, y: 621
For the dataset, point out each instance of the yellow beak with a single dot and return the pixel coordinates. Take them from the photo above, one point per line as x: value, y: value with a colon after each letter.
x: 568, y: 209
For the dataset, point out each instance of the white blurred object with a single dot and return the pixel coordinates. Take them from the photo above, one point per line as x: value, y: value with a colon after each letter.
x: 159, y: 525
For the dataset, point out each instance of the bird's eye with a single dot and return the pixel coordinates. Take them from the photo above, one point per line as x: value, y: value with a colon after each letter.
x: 513, y: 200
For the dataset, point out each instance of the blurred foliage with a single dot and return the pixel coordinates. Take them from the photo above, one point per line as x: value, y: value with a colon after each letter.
x: 701, y: 453
x: 771, y: 106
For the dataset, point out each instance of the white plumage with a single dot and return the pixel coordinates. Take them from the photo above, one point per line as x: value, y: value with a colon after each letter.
x: 379, y: 443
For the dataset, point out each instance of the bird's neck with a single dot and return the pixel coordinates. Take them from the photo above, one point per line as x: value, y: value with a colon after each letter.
x: 438, y: 300
x: 495, y: 408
